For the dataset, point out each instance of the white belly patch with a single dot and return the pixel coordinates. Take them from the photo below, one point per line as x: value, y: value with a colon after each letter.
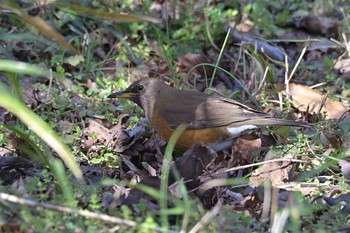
x: 236, y: 131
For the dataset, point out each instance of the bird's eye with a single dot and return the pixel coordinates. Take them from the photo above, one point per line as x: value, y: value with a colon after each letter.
x: 140, y: 88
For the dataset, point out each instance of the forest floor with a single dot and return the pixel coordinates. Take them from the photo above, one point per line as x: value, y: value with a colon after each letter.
x: 72, y: 160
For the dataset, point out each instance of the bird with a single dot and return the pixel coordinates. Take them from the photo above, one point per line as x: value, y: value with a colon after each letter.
x: 208, y: 119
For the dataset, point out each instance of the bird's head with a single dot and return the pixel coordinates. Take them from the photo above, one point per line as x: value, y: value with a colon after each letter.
x: 141, y: 92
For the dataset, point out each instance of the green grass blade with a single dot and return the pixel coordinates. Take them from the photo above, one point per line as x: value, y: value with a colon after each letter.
x: 165, y: 175
x: 63, y: 181
x: 219, y: 58
x: 22, y: 68
x: 42, y: 26
x: 40, y: 127
x: 114, y: 16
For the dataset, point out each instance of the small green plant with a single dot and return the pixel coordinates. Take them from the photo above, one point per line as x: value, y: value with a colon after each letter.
x: 107, y: 159
x: 267, y: 15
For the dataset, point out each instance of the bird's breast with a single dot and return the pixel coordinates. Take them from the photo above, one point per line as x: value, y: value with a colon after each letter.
x: 188, y: 137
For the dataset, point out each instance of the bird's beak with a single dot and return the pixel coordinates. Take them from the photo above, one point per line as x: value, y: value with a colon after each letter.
x: 127, y: 94
x: 121, y: 94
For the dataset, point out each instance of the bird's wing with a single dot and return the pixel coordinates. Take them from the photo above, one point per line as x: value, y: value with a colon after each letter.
x: 211, y: 112
x: 227, y: 112
x: 218, y: 112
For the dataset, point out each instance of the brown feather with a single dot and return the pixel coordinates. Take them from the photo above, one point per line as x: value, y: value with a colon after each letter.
x: 208, y: 119
x: 199, y: 110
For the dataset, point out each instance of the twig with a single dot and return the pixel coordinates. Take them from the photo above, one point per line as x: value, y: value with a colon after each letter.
x: 84, y: 213
x: 318, y: 85
x: 261, y: 163
x: 286, y: 78
x: 261, y: 82
x: 216, y: 183
x: 289, y: 78
x: 294, y: 186
x: 303, y: 51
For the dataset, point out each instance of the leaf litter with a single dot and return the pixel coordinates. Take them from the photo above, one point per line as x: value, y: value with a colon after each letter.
x: 141, y: 151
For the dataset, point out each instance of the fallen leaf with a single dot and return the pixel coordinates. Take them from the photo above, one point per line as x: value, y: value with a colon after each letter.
x: 187, y: 61
x: 246, y: 149
x: 306, y: 99
x: 117, y: 137
x: 343, y: 65
x: 277, y: 172
x: 150, y: 169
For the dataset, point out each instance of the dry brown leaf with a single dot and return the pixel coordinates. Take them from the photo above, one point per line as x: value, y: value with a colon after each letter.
x: 187, y: 61
x: 343, y: 65
x: 246, y: 149
x: 150, y: 169
x: 116, y: 137
x: 102, y: 133
x: 306, y: 99
x: 277, y: 172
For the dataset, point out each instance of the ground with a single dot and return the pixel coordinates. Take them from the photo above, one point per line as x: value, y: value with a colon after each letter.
x: 73, y: 160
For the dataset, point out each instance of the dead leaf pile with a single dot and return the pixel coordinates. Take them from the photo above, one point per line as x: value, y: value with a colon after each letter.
x: 117, y: 137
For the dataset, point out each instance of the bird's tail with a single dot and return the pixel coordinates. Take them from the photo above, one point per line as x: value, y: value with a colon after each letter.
x: 279, y: 122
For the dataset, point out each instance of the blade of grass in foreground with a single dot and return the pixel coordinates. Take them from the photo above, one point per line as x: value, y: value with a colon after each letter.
x: 41, y: 25
x: 66, y: 189
x: 33, y: 121
x: 165, y: 175
x: 40, y: 127
x: 22, y: 68
x: 114, y: 16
